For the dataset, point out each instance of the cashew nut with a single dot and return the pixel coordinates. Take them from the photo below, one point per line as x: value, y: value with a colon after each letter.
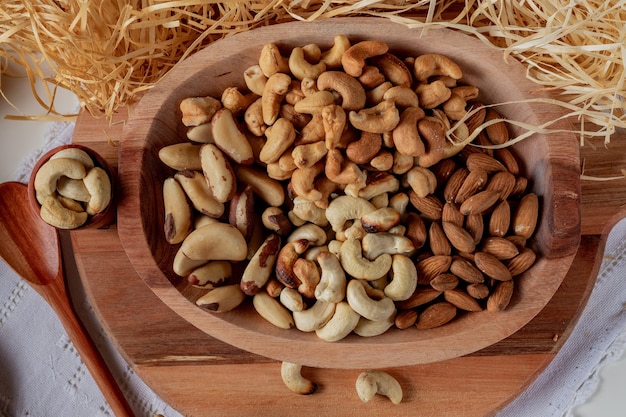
x: 332, y: 285
x: 271, y: 61
x: 393, y: 69
x: 370, y: 383
x: 98, y: 184
x: 198, y: 110
x: 286, y: 260
x: 363, y: 150
x: 371, y: 309
x: 56, y: 214
x: 433, y: 133
x: 308, y: 275
x: 301, y: 68
x: 353, y: 59
x: 293, y: 379
x: 403, y: 278
x: 376, y: 244
x: 49, y: 173
x: 402, y: 96
x: 314, y: 317
x: 370, y: 328
x: 332, y: 56
x: 422, y: 180
x: 381, y: 118
x: 405, y: 136
x: 73, y: 189
x: 253, y: 118
x: 303, y: 180
x: 357, y: 266
x: 344, y: 208
x: 255, y: 79
x: 77, y: 154
x: 274, y: 91
x: 280, y: 136
x: 309, y: 154
x: 429, y: 65
x: 340, y: 325
x: 433, y: 94
x: 313, y: 233
x: 380, y: 220
x: 314, y: 103
x: 379, y: 183
x: 237, y: 102
x: 351, y: 91
x: 307, y: 211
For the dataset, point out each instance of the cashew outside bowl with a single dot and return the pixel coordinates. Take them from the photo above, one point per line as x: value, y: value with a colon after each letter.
x: 372, y: 382
x: 291, y: 375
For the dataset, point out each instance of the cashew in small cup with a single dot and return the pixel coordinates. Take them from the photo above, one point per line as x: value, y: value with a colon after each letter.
x: 291, y: 375
x: 98, y: 184
x: 48, y: 174
x: 372, y: 382
x: 56, y: 214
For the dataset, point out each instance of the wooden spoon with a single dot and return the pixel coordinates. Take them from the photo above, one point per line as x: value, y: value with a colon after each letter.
x: 32, y: 248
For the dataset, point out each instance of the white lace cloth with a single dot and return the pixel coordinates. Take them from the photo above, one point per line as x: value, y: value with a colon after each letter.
x: 42, y: 374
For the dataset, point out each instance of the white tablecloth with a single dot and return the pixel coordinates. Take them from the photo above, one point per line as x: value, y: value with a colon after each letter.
x: 42, y: 375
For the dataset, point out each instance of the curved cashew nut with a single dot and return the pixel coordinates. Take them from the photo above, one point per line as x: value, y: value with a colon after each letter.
x: 375, y: 310
x: 378, y: 183
x: 73, y: 189
x: 340, y: 325
x: 343, y: 172
x: 271, y: 61
x: 422, y: 180
x: 344, y: 208
x: 49, y: 173
x: 405, y: 136
x: 351, y: 91
x: 308, y: 274
x: 332, y: 285
x: 237, y: 102
x: 370, y: 383
x: 315, y: 102
x: 365, y: 149
x: 301, y: 68
x: 279, y: 137
x: 353, y: 59
x: 56, y: 214
x: 311, y: 232
x: 377, y: 244
x: 293, y: 379
x: 255, y: 79
x: 98, y: 184
x: 332, y: 56
x: 394, y: 69
x: 287, y: 257
x: 307, y: 211
x: 369, y: 328
x: 403, y: 278
x: 454, y: 107
x: 307, y: 155
x: 77, y: 154
x: 303, y: 181
x: 433, y: 94
x: 380, y: 220
x: 217, y: 241
x: 314, y: 317
x: 402, y: 96
x: 275, y: 89
x: 433, y: 133
x: 357, y: 266
x: 381, y: 118
x: 429, y: 65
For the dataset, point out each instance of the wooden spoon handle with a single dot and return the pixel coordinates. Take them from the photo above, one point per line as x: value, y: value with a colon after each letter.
x: 91, y: 356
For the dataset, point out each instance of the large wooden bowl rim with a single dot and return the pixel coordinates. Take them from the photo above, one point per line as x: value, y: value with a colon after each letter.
x: 551, y: 160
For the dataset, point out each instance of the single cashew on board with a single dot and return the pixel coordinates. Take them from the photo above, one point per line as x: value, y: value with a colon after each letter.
x: 338, y: 183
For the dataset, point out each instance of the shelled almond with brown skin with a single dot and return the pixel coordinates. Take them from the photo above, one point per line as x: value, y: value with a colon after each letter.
x: 499, y: 247
x: 479, y: 161
x: 506, y: 157
x: 451, y: 214
x: 475, y: 225
x: 429, y: 206
x: 475, y: 181
x: 454, y: 183
x: 526, y: 215
x: 466, y: 270
x: 497, y: 132
x: 421, y: 296
x: 436, y: 315
x: 461, y: 300
x: 405, y: 319
x: 431, y: 267
x: 439, y: 243
x: 445, y: 282
x: 501, y: 296
x: 521, y: 262
x: 500, y: 219
x: 491, y: 266
x: 478, y: 290
x: 502, y: 181
x: 460, y: 238
x: 479, y: 202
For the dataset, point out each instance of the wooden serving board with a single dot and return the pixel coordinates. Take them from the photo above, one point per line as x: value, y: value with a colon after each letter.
x: 201, y: 376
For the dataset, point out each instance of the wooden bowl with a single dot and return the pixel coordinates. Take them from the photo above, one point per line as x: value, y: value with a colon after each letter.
x: 98, y: 220
x: 550, y: 161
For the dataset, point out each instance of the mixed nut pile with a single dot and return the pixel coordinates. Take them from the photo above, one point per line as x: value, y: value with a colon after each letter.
x: 338, y: 192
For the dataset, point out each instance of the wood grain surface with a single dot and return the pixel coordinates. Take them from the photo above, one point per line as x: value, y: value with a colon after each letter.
x: 201, y: 376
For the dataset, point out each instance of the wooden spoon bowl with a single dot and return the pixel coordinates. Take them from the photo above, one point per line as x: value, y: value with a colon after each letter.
x: 550, y: 161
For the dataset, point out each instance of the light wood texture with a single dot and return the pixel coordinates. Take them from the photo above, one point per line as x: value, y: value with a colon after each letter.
x: 32, y: 248
x: 551, y: 163
x: 202, y: 376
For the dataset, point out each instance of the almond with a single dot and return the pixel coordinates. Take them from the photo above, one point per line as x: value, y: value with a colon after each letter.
x: 405, y: 319
x: 443, y: 170
x: 416, y: 230
x: 451, y: 213
x: 526, y: 214
x: 460, y: 238
x: 500, y: 247
x: 483, y: 162
x: 506, y: 157
x: 454, y: 183
x: 439, y: 243
x: 475, y: 180
x: 500, y: 219
x: 521, y: 262
x: 467, y: 271
x: 429, y: 268
x: 520, y: 185
x: 477, y: 117
x: 498, y: 132
x: 478, y: 291
x: 501, y: 296
x: 429, y: 206
x: 480, y: 202
x: 474, y: 224
x: 491, y: 266
x: 462, y: 300
x: 436, y: 315
x: 445, y: 282
x: 502, y: 181
x: 420, y: 297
